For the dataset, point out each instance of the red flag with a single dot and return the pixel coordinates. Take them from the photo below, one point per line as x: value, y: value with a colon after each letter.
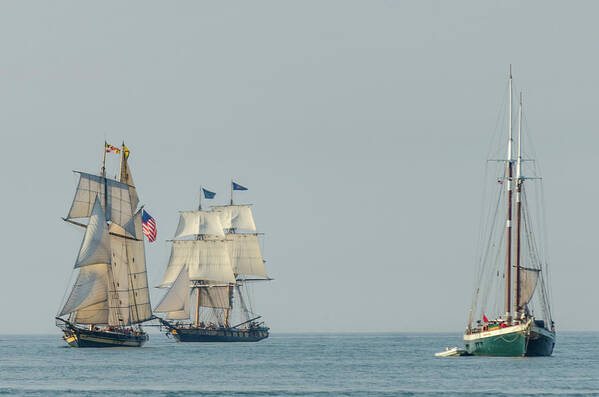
x: 485, y: 319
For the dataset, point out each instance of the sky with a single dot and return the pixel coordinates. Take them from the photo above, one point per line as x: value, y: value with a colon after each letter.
x: 361, y: 129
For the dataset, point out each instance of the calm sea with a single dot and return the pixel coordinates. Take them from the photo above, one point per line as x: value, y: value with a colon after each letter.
x: 296, y: 365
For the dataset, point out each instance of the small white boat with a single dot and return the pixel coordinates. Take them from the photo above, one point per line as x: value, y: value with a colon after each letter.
x: 452, y: 352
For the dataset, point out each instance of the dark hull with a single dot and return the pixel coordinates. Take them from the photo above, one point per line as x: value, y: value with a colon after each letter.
x: 79, y: 337
x: 540, y: 342
x: 218, y: 335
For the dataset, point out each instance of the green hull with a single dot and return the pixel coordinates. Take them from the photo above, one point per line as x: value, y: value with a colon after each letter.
x: 516, y: 341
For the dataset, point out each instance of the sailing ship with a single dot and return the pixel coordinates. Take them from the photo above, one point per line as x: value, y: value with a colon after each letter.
x: 513, y: 279
x: 109, y: 299
x: 215, y: 255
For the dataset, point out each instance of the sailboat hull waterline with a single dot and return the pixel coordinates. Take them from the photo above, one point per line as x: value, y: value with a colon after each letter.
x: 76, y: 336
x: 516, y: 341
x: 218, y: 335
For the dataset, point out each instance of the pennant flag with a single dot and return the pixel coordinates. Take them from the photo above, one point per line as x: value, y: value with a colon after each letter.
x: 126, y: 150
x: 149, y: 226
x: 238, y: 187
x: 485, y: 319
x: 208, y: 194
x: 110, y: 149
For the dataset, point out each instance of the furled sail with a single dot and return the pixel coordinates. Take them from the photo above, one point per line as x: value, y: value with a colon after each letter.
x: 236, y: 217
x: 528, y: 283
x: 90, y: 288
x: 199, y: 222
x: 205, y: 259
x: 244, y: 251
x: 216, y: 297
x: 114, y: 196
x: 95, y: 247
x: 176, y: 300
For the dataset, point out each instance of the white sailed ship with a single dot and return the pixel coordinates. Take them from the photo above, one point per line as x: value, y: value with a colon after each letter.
x: 109, y: 299
x: 215, y: 255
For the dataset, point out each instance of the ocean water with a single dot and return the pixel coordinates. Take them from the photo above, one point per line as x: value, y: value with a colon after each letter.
x: 295, y: 365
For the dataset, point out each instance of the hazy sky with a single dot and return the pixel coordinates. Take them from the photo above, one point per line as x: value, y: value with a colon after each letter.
x: 360, y: 128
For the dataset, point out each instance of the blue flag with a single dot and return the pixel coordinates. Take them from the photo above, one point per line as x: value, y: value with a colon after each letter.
x: 208, y: 194
x: 238, y: 187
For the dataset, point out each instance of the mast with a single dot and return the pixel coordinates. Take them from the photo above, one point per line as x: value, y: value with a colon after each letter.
x: 200, y: 205
x: 123, y: 178
x: 103, y: 172
x: 196, y: 319
x: 231, y: 191
x: 227, y: 310
x: 518, y: 206
x: 508, y: 256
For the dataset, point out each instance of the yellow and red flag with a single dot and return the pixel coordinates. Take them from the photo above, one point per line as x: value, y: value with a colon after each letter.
x: 111, y: 149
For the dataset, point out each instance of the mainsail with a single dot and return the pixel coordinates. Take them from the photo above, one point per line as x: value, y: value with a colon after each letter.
x: 245, y: 254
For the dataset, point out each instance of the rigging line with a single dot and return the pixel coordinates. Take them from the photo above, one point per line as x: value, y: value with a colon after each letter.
x: 64, y: 296
x: 536, y: 259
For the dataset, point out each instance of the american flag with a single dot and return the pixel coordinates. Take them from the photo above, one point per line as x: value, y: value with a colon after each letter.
x: 149, y: 226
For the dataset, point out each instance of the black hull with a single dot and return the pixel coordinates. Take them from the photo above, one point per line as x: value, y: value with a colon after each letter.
x: 82, y: 337
x: 218, y: 335
x: 540, y: 343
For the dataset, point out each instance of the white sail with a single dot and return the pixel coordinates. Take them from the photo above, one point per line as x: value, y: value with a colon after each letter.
x: 114, y: 196
x: 244, y: 251
x: 528, y: 284
x: 179, y: 315
x: 128, y: 179
x: 199, y: 222
x: 90, y: 288
x: 94, y: 314
x: 236, y: 217
x: 139, y: 297
x: 95, y: 247
x: 118, y: 283
x: 176, y: 298
x: 216, y: 297
x: 205, y: 259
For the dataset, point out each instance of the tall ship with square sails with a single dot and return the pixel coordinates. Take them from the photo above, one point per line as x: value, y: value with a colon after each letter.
x: 215, y: 257
x: 109, y: 298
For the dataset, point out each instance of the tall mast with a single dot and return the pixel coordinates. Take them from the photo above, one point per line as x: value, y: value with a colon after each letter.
x: 508, y: 256
x: 196, y: 320
x: 518, y: 206
x: 231, y: 191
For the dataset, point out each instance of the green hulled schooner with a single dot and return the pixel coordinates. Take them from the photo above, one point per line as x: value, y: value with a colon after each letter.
x: 512, y: 285
x: 109, y: 299
x: 215, y: 256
